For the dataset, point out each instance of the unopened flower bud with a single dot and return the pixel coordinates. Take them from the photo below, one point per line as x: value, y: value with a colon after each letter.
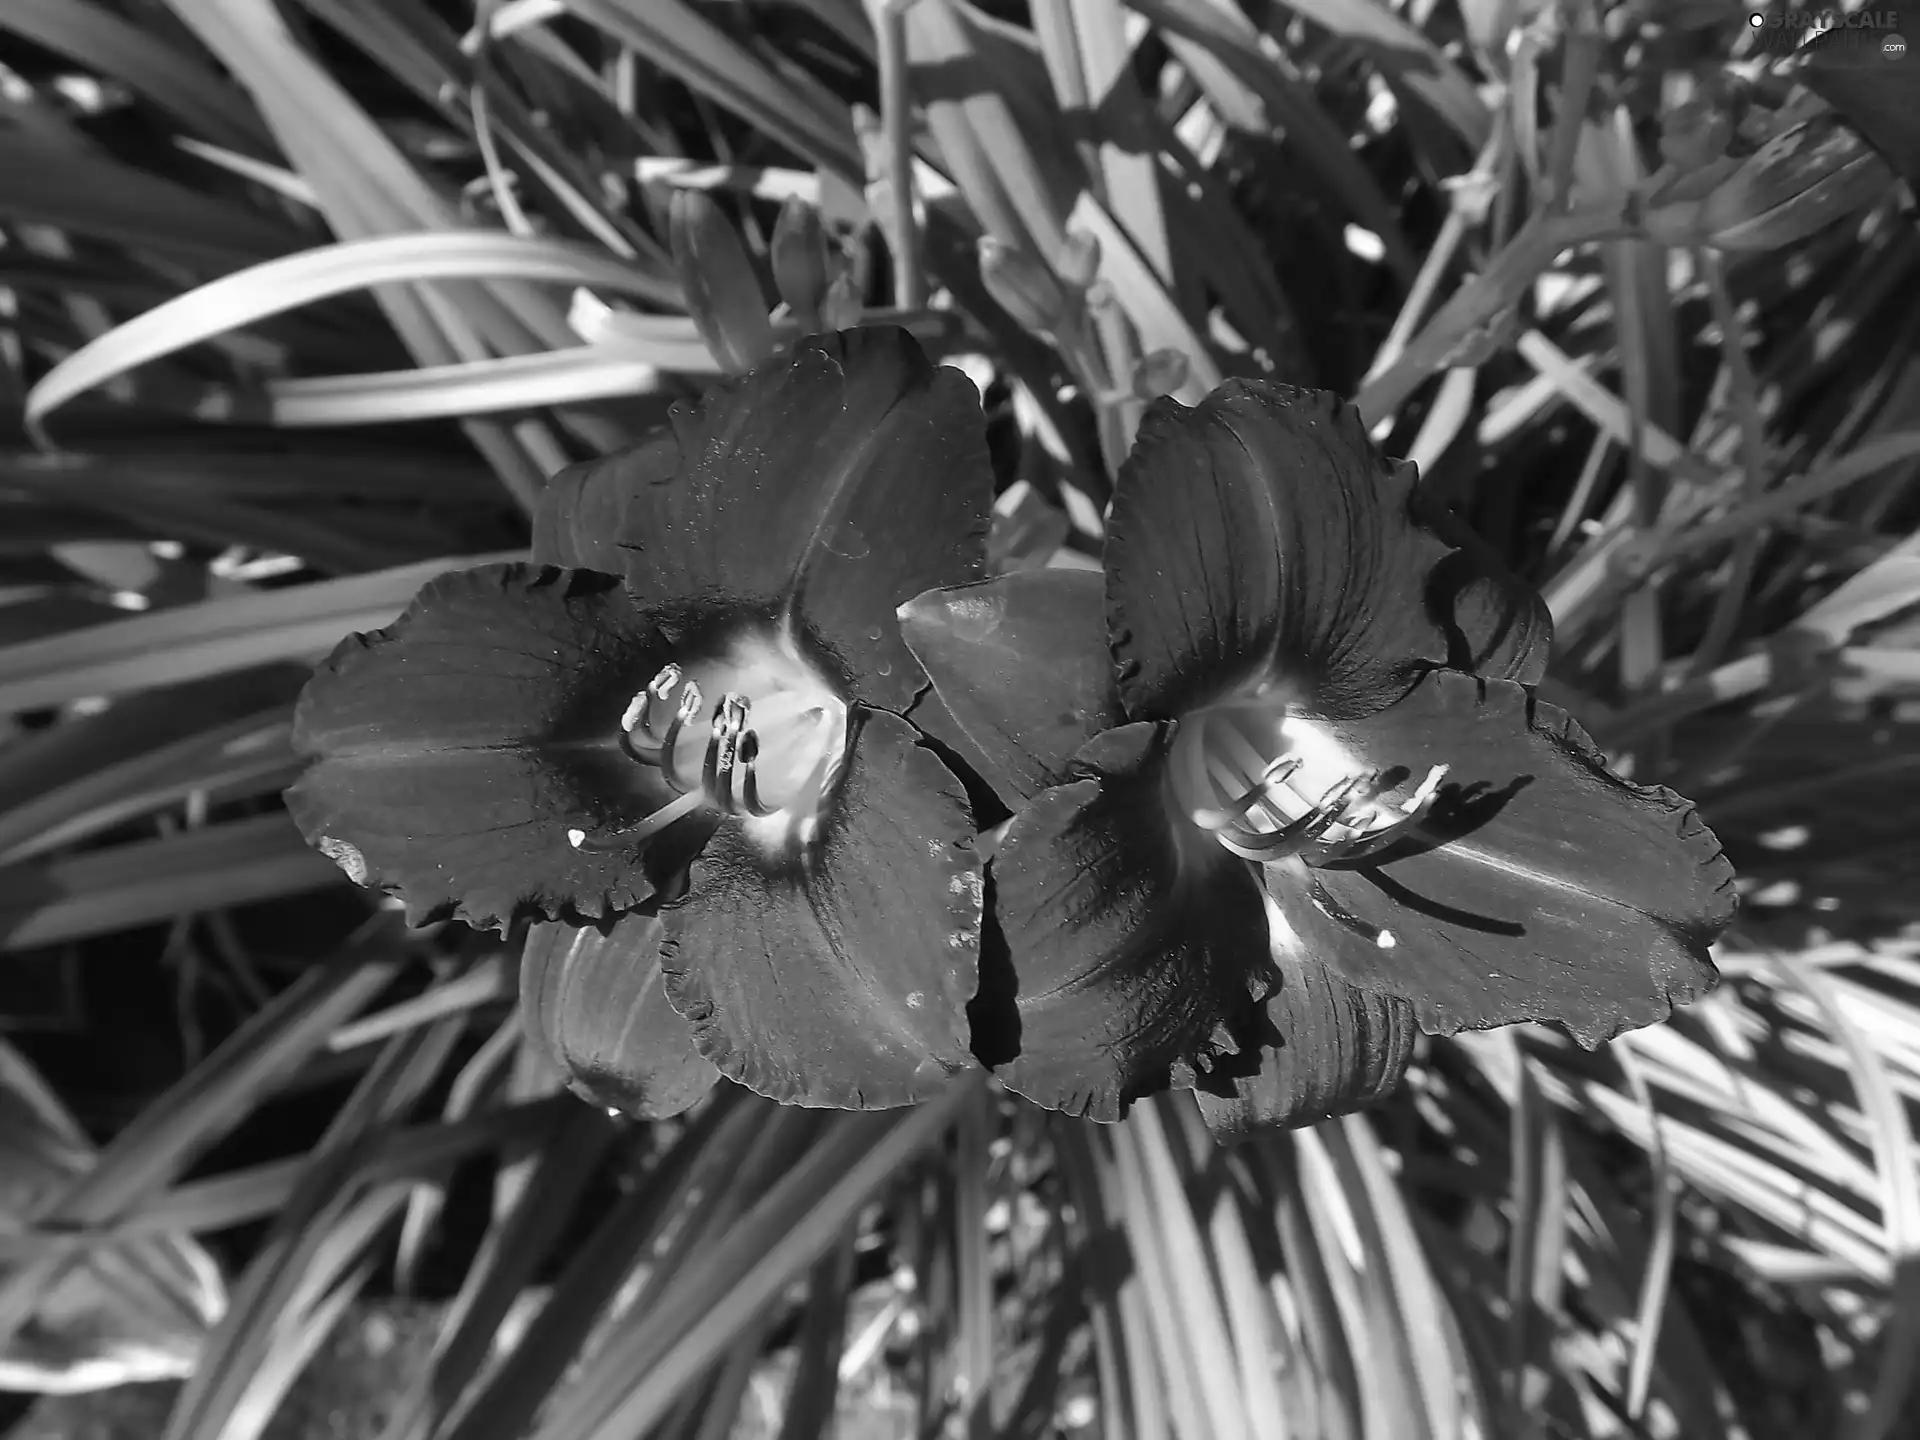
x: 1675, y: 198
x: 801, y: 270
x: 1809, y: 175
x: 1695, y: 134
x: 841, y: 308
x: 1024, y: 285
x: 1079, y: 260
x: 1161, y: 373
x: 723, y: 294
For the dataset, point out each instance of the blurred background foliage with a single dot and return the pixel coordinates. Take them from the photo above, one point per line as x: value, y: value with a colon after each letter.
x: 301, y: 301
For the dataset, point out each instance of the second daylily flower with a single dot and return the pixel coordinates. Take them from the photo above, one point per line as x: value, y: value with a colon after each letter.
x: 1287, y: 792
x: 681, y: 733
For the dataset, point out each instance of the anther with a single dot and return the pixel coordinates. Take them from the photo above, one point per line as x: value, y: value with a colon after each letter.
x: 1297, y: 834
x: 749, y: 780
x: 771, y: 735
x: 659, y: 689
x: 1429, y: 787
x: 729, y: 720
x: 1340, y: 798
x: 1260, y: 793
x: 639, y: 712
x: 1317, y: 799
x: 691, y: 702
x: 1411, y: 810
x: 636, y: 721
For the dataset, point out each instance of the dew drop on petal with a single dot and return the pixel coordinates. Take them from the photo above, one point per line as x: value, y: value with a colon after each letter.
x: 964, y: 884
x: 973, y: 618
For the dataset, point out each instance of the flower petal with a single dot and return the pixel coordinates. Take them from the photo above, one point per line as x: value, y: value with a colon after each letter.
x: 1262, y: 533
x: 1543, y: 887
x: 1340, y: 1049
x: 578, y: 519
x: 591, y: 998
x: 1495, y: 623
x: 1134, y: 966
x: 839, y: 975
x: 455, y: 749
x: 1021, y: 664
x: 838, y: 481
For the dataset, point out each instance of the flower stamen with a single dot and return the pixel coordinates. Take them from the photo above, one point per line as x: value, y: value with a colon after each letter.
x: 723, y: 750
x: 1260, y: 793
x: 1314, y: 798
x: 689, y: 711
x: 638, y: 718
x: 1412, y: 810
x: 749, y: 781
x: 775, y: 741
x: 1294, y: 835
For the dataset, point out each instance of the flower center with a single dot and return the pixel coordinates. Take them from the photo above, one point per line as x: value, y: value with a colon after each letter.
x: 1267, y: 782
x: 756, y: 732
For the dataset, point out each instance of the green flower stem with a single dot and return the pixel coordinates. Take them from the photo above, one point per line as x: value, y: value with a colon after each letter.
x: 896, y: 118
x: 1471, y: 317
x: 1744, y: 394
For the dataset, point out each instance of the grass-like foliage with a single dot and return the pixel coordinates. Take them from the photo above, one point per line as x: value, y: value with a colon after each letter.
x: 301, y: 302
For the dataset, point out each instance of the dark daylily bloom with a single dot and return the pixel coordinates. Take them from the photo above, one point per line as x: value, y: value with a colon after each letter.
x: 1287, y: 792
x: 679, y: 739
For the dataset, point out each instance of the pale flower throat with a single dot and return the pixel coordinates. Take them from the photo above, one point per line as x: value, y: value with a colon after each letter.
x: 755, y: 732
x: 1268, y: 782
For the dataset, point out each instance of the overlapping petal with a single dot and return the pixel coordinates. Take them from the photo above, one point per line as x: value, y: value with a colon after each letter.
x: 455, y: 749
x: 591, y: 998
x: 582, y: 512
x: 1543, y: 887
x: 1260, y: 532
x: 1022, y: 666
x: 839, y: 975
x: 1339, y: 1049
x: 1494, y: 623
x: 1136, y: 962
x: 836, y: 483
x: 1089, y: 886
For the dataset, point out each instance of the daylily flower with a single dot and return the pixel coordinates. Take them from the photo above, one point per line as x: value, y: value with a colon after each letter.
x: 1286, y: 790
x: 680, y: 735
